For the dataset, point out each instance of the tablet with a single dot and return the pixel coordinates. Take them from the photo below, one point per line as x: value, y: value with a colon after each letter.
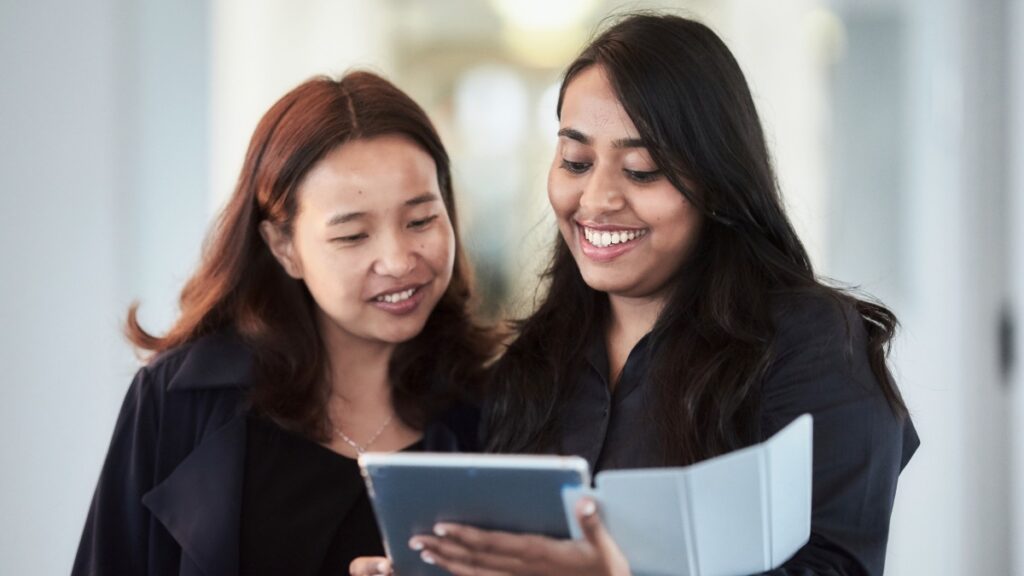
x: 411, y: 492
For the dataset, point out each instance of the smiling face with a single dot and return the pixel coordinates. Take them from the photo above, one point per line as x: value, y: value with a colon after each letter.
x: 371, y: 240
x: 629, y: 229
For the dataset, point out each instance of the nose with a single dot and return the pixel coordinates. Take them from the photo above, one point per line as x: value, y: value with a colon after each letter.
x: 396, y: 257
x: 602, y: 192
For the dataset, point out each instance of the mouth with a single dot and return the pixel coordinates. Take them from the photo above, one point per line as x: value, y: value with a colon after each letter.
x: 604, y: 242
x: 396, y: 296
x: 400, y: 301
x: 605, y: 237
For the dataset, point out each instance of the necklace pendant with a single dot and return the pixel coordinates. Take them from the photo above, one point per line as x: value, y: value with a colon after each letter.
x: 362, y: 448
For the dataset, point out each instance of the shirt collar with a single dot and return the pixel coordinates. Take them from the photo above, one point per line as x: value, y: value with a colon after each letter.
x: 218, y: 360
x: 637, y: 363
x: 596, y: 353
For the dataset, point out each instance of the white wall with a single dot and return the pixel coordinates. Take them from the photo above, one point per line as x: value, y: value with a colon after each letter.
x: 947, y: 284
x: 60, y: 297
x: 1015, y: 177
x: 102, y: 158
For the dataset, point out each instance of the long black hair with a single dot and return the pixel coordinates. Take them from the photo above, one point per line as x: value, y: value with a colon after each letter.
x: 690, y: 102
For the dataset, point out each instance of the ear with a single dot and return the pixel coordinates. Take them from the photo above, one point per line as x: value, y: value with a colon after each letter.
x: 282, y: 247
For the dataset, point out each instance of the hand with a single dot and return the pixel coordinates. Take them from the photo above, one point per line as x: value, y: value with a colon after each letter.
x: 370, y: 566
x: 467, y: 551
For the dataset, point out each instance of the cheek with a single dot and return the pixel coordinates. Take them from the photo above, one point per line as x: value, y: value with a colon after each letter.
x: 339, y: 267
x: 334, y: 277
x: 438, y: 248
x: 563, y: 194
x: 673, y: 218
x: 683, y: 235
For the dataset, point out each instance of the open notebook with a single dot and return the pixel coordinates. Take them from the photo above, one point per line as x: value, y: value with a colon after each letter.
x: 744, y: 512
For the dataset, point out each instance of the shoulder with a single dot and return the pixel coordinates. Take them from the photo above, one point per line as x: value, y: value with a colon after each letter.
x: 179, y: 398
x: 814, y: 316
x: 192, y: 386
x: 817, y: 328
x: 220, y: 360
x: 819, y: 354
x: 820, y: 364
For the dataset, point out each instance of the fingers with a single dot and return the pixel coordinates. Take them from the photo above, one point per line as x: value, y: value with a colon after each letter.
x: 460, y: 559
x: 492, y: 542
x: 467, y: 551
x: 457, y: 568
x: 370, y: 566
x: 590, y: 522
x: 612, y: 558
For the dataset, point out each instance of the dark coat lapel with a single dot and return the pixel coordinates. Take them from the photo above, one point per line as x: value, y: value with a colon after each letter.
x: 200, y: 502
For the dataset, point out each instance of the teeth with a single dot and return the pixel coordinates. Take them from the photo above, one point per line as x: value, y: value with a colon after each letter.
x: 396, y: 297
x: 602, y: 239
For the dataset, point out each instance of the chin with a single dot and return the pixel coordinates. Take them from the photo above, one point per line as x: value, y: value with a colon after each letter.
x: 401, y: 335
x: 604, y: 282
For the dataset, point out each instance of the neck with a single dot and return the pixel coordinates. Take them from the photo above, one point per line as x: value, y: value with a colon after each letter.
x: 358, y: 370
x: 631, y: 318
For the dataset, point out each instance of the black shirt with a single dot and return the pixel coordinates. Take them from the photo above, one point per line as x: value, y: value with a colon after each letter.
x: 819, y: 365
x: 606, y: 425
x: 305, y: 508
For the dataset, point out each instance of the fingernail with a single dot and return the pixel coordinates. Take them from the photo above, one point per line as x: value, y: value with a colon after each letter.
x: 416, y: 545
x: 440, y: 531
x: 426, y: 557
x: 382, y: 567
x: 589, y: 508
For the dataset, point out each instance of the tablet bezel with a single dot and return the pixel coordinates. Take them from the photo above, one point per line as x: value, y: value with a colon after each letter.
x: 469, y: 464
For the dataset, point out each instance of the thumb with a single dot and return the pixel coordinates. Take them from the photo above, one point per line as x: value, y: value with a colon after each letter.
x: 614, y: 560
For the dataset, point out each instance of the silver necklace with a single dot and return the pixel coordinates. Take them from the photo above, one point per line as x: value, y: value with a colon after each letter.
x: 362, y: 448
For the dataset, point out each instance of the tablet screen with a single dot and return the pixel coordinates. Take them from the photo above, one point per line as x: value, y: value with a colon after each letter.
x: 412, y: 492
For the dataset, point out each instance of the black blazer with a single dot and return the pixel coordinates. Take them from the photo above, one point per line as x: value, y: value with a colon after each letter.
x: 169, y: 496
x: 818, y: 364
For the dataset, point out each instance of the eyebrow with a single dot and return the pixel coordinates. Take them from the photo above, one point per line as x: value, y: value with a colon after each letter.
x: 343, y: 218
x: 422, y: 199
x: 350, y: 216
x: 573, y: 134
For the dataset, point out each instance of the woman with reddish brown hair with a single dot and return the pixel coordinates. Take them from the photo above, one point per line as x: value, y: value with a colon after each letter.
x: 329, y: 316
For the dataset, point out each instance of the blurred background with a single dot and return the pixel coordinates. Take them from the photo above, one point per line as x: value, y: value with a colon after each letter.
x: 897, y: 128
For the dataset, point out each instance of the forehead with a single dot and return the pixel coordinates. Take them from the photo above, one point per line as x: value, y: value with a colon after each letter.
x: 591, y: 106
x: 368, y: 174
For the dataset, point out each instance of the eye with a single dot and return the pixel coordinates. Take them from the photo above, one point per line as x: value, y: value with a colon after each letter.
x: 574, y: 167
x: 643, y: 177
x: 422, y: 222
x: 350, y: 239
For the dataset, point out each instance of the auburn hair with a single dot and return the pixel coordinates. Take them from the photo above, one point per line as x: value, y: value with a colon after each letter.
x: 240, y: 287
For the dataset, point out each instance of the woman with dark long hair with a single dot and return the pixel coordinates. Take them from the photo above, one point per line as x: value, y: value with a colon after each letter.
x: 683, y: 318
x: 329, y: 315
